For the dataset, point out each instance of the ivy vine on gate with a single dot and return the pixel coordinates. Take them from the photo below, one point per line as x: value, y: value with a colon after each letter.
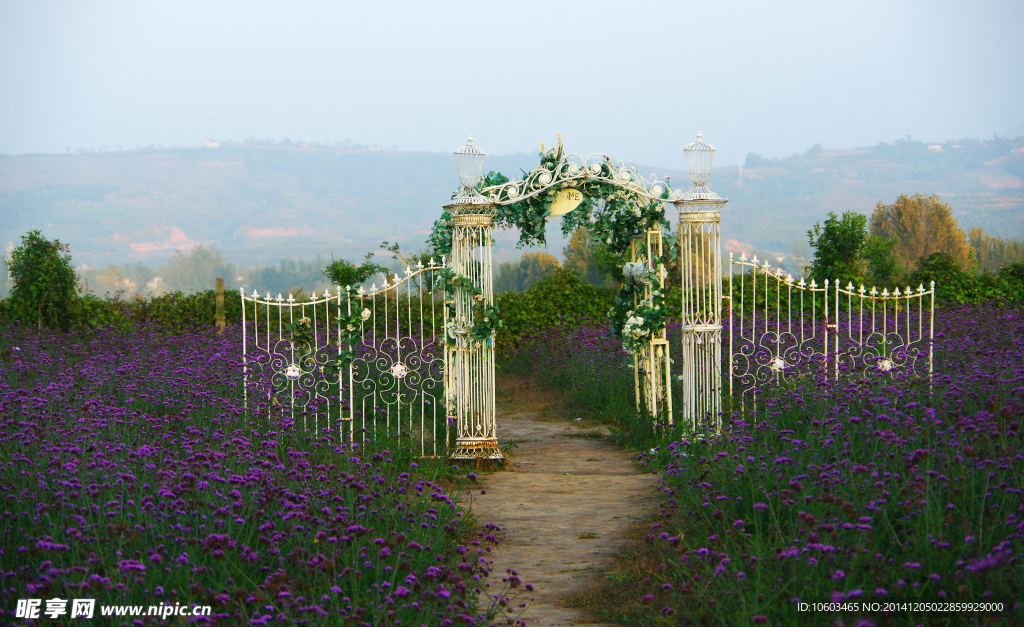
x: 486, y: 317
x: 614, y: 214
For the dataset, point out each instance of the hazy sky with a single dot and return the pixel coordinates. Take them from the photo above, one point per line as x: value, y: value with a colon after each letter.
x: 635, y: 80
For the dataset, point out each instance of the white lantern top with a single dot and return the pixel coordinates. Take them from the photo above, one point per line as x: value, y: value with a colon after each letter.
x: 699, y: 157
x: 470, y: 161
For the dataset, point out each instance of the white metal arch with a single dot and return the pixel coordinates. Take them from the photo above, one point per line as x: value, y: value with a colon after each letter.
x: 572, y: 170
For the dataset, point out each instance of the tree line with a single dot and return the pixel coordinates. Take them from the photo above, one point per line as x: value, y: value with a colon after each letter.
x: 912, y: 241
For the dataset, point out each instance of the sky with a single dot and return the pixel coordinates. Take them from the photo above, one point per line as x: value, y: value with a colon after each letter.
x: 633, y: 80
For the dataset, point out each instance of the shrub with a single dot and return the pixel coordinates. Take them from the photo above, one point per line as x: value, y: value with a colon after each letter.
x: 559, y: 299
x: 953, y: 285
x: 43, y: 282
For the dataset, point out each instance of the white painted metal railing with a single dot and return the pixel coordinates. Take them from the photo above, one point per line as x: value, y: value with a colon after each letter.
x: 352, y: 361
x: 782, y: 330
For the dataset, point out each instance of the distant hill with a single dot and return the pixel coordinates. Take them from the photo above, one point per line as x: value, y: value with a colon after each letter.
x: 263, y: 202
x: 777, y: 200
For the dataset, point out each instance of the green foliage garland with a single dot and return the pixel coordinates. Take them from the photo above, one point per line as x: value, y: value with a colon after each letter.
x: 614, y: 216
x: 351, y: 326
x: 635, y: 324
x: 486, y: 317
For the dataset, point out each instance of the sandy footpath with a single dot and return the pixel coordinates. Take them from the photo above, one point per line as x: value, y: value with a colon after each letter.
x: 564, y: 510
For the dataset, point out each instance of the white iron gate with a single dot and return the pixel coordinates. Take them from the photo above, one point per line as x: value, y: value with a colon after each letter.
x: 355, y: 361
x: 784, y: 330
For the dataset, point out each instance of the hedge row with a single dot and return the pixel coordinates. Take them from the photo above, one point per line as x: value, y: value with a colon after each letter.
x: 559, y: 299
x: 174, y: 310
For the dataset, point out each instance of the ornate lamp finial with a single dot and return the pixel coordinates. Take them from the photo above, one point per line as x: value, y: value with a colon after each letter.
x: 470, y: 161
x: 699, y: 157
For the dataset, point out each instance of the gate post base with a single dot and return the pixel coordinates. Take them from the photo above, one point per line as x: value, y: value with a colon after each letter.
x: 477, y: 448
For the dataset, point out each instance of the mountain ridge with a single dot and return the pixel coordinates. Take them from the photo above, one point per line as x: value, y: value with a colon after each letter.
x: 263, y: 202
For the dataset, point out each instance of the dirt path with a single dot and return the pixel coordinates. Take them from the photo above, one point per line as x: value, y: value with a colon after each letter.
x: 564, y: 509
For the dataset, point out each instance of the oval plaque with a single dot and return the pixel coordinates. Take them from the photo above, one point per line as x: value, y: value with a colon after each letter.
x: 565, y: 201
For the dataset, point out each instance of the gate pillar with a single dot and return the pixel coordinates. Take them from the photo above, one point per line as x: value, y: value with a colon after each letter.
x: 701, y: 282
x: 469, y: 379
x: 652, y: 372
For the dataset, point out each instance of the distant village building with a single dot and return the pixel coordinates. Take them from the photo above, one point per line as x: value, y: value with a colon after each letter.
x: 157, y: 287
x: 211, y: 143
x: 935, y: 147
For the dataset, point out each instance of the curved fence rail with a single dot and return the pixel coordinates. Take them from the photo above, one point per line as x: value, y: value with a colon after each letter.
x: 354, y: 361
x: 781, y: 330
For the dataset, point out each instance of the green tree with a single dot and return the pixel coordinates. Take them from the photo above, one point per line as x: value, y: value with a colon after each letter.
x: 951, y: 282
x: 43, y: 281
x: 579, y: 257
x: 921, y: 225
x: 5, y: 286
x: 197, y: 270
x: 345, y: 273
x: 992, y: 253
x: 518, y: 276
x: 880, y: 254
x: 838, y: 247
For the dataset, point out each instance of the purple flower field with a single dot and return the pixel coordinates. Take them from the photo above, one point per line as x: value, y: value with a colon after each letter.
x: 132, y: 475
x: 849, y: 491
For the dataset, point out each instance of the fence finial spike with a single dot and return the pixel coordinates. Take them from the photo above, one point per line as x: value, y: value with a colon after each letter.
x: 432, y: 263
x: 730, y: 256
x: 291, y: 299
x: 754, y: 260
x: 814, y: 284
x: 802, y: 282
x: 255, y: 294
x: 743, y: 256
x: 861, y: 290
x: 279, y: 298
x: 826, y: 283
x: 419, y: 264
x: 920, y: 288
x: 849, y: 286
x: 373, y: 287
x: 408, y: 270
x: 933, y: 284
x: 897, y: 292
x: 361, y: 290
